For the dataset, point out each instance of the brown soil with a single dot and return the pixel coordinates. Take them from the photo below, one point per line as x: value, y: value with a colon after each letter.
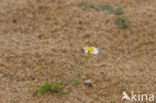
x: 52, y: 33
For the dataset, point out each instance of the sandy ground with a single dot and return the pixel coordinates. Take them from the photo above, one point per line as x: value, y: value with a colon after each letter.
x: 52, y: 33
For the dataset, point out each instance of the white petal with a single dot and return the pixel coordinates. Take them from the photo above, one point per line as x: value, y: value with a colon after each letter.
x: 94, y: 52
x: 86, y: 50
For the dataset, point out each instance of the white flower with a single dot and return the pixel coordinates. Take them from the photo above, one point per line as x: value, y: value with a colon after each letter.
x: 88, y: 81
x: 91, y: 50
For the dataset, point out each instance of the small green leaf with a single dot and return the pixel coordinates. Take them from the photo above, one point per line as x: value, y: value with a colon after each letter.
x: 84, y: 5
x: 75, y: 80
x: 105, y: 7
x: 118, y: 11
x: 58, y: 75
x: 57, y: 88
x: 39, y: 69
x: 67, y: 91
x: 61, y: 93
x: 119, y: 25
x: 102, y: 7
x: 97, y: 9
x: 126, y: 25
x: 122, y: 18
x: 33, y: 86
x: 109, y: 10
x: 45, y: 87
x: 92, y: 6
x: 61, y: 83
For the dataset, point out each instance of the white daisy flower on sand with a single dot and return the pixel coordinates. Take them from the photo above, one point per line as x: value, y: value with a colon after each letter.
x: 91, y: 50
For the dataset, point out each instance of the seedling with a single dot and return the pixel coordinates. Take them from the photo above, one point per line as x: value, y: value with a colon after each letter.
x: 56, y: 88
x: 122, y: 22
x: 45, y: 88
x: 58, y: 75
x: 92, y: 6
x: 122, y: 18
x: 124, y: 25
x: 61, y: 93
x: 108, y: 8
x: 39, y: 69
x: 67, y: 92
x: 61, y: 83
x: 118, y: 11
x: 105, y: 7
x: 84, y: 5
x: 75, y: 80
x: 33, y: 86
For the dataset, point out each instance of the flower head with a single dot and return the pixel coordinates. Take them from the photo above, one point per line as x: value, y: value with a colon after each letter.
x: 91, y: 50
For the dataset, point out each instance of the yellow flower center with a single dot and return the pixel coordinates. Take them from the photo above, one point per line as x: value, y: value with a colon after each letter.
x: 90, y: 49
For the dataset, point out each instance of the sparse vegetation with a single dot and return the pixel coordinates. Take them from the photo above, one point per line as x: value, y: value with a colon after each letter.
x: 118, y: 11
x: 58, y: 87
x: 122, y: 21
x: 41, y: 51
x: 84, y: 5
x: 45, y: 87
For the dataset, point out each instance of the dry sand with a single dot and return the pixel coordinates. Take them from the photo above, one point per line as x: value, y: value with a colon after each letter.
x: 52, y: 33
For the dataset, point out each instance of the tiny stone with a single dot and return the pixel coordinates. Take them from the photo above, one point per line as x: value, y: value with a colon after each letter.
x: 87, y: 81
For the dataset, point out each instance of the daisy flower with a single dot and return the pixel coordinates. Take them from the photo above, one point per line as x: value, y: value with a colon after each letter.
x: 91, y: 50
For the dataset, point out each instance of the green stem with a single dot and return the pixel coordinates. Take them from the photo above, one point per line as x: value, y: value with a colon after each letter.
x: 85, y: 64
x: 79, y: 74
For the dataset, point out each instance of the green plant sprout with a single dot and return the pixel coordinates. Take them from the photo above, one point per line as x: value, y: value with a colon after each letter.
x: 118, y: 11
x: 67, y: 91
x: 45, y: 88
x: 33, y: 86
x: 84, y: 5
x: 61, y: 93
x: 39, y: 69
x: 122, y: 18
x: 58, y: 87
x: 58, y: 75
x: 108, y: 8
x: 122, y: 22
x: 74, y: 80
x: 92, y: 6
x: 51, y: 87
